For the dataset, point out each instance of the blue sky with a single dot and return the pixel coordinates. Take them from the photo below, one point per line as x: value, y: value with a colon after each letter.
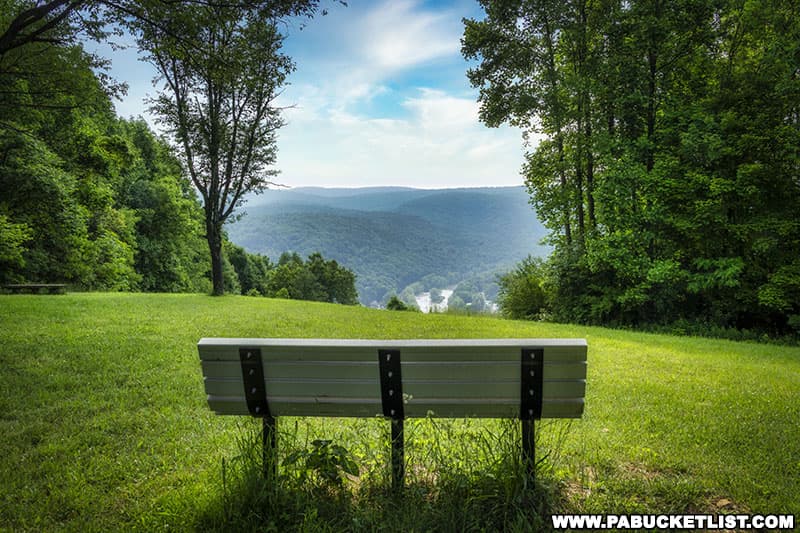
x: 379, y: 97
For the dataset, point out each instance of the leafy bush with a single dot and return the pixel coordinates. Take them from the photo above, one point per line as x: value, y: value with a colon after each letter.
x: 522, y: 291
x: 396, y: 304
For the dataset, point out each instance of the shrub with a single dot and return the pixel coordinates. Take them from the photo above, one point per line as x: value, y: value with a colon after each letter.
x: 522, y: 294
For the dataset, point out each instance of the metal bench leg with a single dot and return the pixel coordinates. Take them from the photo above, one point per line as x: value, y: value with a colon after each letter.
x: 398, y: 459
x: 529, y: 449
x: 269, y: 448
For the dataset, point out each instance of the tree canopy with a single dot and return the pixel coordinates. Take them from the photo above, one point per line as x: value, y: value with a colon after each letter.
x: 669, y: 172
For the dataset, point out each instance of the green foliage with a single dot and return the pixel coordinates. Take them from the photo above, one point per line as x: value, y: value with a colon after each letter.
x: 105, y: 202
x: 315, y: 279
x: 330, y: 462
x: 251, y: 269
x: 392, y: 239
x: 668, y: 175
x: 522, y: 291
x: 456, y: 303
x: 396, y: 304
x: 171, y: 251
x: 12, y: 240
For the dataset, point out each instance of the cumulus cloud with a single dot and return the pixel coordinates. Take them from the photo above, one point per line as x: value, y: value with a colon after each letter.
x: 398, y: 34
x: 363, y: 116
x: 380, y: 97
x: 439, y: 144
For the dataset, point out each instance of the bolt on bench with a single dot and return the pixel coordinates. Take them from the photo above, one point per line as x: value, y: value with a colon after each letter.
x: 526, y: 379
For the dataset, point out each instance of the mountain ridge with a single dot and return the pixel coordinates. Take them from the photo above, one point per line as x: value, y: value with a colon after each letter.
x: 392, y: 237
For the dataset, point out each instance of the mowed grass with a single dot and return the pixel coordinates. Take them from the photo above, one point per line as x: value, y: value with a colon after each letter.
x: 104, y: 425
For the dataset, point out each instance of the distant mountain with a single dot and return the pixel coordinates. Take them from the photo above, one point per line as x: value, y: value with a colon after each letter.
x: 393, y: 237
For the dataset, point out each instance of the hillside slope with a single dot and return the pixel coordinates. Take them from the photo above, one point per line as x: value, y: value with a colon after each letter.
x: 395, y: 236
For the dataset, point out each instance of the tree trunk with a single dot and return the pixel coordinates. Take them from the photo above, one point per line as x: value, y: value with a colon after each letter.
x: 590, y: 168
x: 214, y: 237
x: 555, y: 109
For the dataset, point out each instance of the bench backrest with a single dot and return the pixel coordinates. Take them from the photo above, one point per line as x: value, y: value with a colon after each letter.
x: 444, y: 378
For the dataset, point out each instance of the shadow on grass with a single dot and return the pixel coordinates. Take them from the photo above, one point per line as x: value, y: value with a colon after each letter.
x: 489, y: 491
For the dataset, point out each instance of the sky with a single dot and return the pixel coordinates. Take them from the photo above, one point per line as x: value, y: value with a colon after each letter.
x: 379, y: 97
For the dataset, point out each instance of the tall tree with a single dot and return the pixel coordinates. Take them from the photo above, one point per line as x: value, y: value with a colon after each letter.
x: 217, y: 102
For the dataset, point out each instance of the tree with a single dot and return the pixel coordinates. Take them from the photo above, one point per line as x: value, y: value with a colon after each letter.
x: 218, y: 104
x: 251, y: 269
x: 169, y: 219
x: 27, y: 28
x: 12, y: 240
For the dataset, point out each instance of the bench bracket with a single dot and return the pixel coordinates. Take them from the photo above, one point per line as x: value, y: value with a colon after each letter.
x: 255, y: 389
x: 391, y: 384
x: 530, y: 404
x: 392, y: 400
x: 530, y: 407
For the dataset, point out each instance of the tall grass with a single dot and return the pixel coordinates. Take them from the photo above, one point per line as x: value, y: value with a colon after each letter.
x: 461, y: 475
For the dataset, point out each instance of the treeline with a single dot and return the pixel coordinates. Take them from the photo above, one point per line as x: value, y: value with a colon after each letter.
x: 314, y: 279
x: 102, y: 203
x: 669, y: 171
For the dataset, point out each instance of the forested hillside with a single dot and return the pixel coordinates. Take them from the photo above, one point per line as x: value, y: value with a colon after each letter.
x: 393, y: 237
x: 88, y: 198
x: 669, y: 175
x: 102, y: 203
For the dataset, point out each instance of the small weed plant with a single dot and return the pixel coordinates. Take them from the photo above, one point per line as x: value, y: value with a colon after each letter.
x: 329, y: 462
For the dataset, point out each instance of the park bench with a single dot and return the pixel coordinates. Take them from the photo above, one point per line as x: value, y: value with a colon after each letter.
x: 36, y: 288
x: 526, y: 379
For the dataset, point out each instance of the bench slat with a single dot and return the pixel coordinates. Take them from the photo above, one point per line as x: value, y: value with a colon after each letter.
x: 411, y: 370
x: 293, y: 369
x: 498, y: 350
x: 354, y: 407
x: 347, y: 388
x: 488, y: 370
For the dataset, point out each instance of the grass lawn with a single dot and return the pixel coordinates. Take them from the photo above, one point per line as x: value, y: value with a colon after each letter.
x: 104, y: 426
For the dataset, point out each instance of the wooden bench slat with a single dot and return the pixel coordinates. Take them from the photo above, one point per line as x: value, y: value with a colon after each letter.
x: 498, y: 350
x: 287, y: 370
x: 451, y: 389
x: 488, y: 370
x: 354, y: 407
x: 451, y: 378
x: 411, y: 370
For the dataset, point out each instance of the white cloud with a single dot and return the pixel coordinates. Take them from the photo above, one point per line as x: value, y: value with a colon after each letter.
x: 341, y: 134
x: 440, y: 144
x: 351, y: 53
x: 438, y: 110
x: 397, y: 35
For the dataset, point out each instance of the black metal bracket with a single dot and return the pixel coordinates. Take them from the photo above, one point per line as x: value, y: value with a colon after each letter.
x: 530, y: 405
x: 392, y: 400
x: 255, y: 390
x: 391, y: 384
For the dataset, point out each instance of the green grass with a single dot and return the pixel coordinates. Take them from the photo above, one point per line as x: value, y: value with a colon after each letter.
x: 104, y: 426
